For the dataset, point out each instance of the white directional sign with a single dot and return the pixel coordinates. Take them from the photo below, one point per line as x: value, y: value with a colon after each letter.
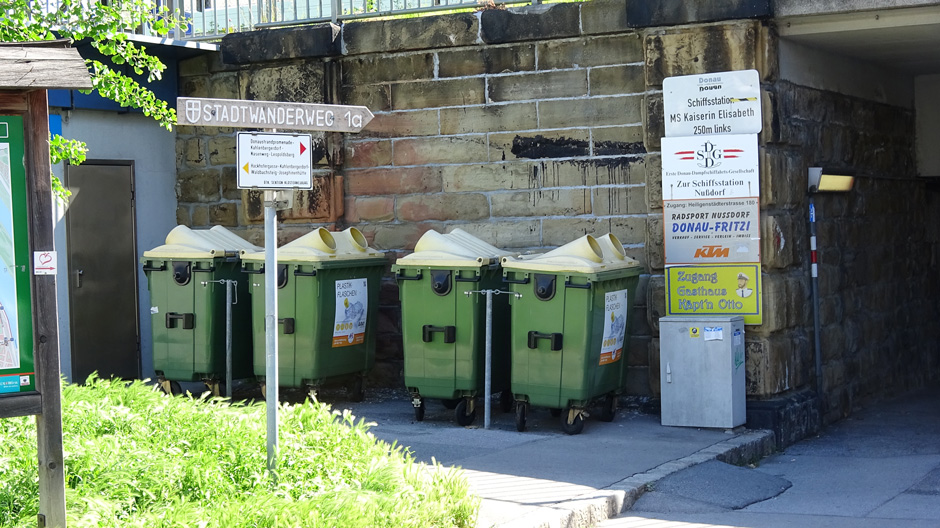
x: 712, y: 103
x: 697, y: 168
x: 267, y: 115
x: 274, y: 161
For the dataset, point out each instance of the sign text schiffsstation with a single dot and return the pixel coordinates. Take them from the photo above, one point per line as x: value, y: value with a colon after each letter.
x: 713, y: 103
x: 265, y: 114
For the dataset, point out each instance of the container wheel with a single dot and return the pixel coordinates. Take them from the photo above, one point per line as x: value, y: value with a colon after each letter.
x: 521, y: 411
x: 609, y: 410
x: 419, y: 411
x: 175, y: 388
x: 451, y: 404
x: 216, y: 387
x: 465, y: 412
x: 505, y: 401
x: 555, y: 412
x: 572, y: 421
x: 264, y: 393
x: 356, y: 392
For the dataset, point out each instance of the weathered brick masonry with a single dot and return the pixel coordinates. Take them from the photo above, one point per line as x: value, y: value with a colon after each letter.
x: 530, y: 128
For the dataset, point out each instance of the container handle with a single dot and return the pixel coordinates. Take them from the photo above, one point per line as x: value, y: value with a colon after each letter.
x: 189, y: 320
x: 288, y: 323
x: 515, y: 281
x: 568, y: 284
x: 152, y: 268
x: 298, y: 273
x: 475, y: 278
x: 555, y: 339
x: 258, y: 271
x: 401, y: 276
x: 450, y: 333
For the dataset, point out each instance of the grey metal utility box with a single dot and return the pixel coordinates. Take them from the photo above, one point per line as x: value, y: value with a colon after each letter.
x: 701, y: 371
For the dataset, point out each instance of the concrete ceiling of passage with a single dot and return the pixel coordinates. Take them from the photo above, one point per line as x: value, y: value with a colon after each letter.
x: 905, y: 39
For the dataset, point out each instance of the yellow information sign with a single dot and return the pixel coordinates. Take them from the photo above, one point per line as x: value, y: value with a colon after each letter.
x: 733, y: 289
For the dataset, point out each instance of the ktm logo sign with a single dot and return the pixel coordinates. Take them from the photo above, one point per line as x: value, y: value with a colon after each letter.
x: 712, y: 252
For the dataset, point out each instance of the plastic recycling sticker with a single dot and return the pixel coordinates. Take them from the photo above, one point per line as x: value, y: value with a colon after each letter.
x: 615, y: 326
x: 352, y: 300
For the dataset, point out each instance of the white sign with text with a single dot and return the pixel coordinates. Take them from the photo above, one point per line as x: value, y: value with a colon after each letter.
x: 274, y: 161
x: 696, y: 168
x: 712, y: 103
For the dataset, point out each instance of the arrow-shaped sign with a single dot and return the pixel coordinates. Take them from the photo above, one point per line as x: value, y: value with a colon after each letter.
x: 200, y: 111
x: 302, y: 149
x: 246, y: 168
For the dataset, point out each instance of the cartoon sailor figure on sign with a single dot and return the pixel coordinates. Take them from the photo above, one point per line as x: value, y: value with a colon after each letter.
x: 743, y: 290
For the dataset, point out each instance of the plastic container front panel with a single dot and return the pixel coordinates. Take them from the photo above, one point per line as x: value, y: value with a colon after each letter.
x: 188, y: 319
x: 317, y: 333
x: 571, y: 363
x: 444, y: 334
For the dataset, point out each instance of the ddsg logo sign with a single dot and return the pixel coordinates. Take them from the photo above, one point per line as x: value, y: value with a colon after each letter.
x: 709, y: 156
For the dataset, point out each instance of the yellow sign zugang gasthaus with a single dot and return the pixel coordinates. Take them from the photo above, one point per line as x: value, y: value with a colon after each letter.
x: 733, y: 289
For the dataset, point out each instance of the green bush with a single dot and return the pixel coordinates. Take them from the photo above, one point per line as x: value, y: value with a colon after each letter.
x: 135, y: 457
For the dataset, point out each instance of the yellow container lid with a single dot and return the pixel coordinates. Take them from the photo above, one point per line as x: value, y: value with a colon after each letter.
x: 455, y: 249
x: 185, y: 243
x: 583, y: 255
x: 322, y: 245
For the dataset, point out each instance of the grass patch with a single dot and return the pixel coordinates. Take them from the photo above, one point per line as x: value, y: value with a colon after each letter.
x: 135, y: 457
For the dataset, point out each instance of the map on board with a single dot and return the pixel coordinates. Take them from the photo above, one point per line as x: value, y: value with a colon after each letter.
x: 9, y: 349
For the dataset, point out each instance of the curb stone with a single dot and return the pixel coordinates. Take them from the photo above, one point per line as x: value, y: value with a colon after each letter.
x: 589, y: 509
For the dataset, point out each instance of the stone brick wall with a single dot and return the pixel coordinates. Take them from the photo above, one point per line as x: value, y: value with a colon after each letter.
x: 530, y: 128
x: 876, y: 280
x: 528, y: 142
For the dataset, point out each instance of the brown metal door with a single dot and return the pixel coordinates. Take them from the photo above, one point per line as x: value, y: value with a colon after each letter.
x: 102, y: 255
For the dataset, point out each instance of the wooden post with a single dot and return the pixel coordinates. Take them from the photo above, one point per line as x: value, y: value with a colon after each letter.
x: 45, y: 320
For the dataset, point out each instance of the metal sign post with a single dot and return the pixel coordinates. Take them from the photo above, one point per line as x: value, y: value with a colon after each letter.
x: 278, y: 164
x: 488, y: 358
x: 270, y: 327
x: 230, y: 286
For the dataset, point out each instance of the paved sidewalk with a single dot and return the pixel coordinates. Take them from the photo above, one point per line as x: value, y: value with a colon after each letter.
x: 880, y: 467
x: 545, y: 478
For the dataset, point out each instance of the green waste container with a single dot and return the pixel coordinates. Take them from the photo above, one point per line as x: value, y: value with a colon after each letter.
x: 569, y: 328
x: 188, y: 311
x: 444, y: 328
x: 328, y: 296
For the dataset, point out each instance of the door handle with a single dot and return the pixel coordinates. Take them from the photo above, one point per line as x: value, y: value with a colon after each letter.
x: 78, y: 278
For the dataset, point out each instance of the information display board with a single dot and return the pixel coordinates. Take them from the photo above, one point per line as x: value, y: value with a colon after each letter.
x: 17, y: 363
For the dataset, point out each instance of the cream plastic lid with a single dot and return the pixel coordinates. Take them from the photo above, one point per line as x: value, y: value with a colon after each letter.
x: 183, y: 242
x: 321, y: 245
x: 583, y: 255
x: 457, y: 248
